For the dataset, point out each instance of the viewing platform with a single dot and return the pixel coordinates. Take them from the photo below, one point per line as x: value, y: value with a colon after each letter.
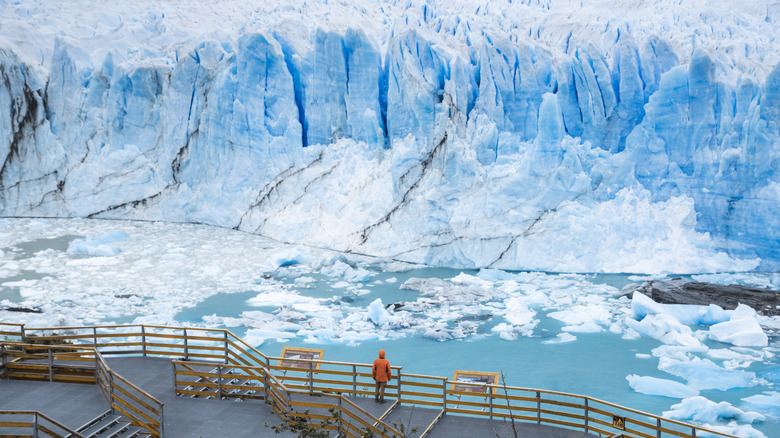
x: 142, y: 380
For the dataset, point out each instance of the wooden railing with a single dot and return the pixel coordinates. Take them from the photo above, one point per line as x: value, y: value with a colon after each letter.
x: 123, y: 396
x: 83, y: 364
x: 33, y: 424
x: 278, y: 383
x: 291, y: 400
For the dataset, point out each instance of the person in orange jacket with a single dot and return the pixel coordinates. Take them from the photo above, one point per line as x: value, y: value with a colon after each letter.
x: 381, y: 373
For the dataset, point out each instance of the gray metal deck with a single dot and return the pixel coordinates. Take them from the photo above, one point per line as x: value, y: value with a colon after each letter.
x: 75, y: 404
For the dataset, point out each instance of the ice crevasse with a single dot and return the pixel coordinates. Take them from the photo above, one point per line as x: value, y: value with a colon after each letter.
x: 433, y: 137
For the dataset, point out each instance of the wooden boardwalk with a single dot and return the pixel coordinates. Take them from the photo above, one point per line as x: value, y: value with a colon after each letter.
x: 146, y: 380
x: 76, y: 404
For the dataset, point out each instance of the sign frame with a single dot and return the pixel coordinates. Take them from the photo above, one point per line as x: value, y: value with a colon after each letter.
x: 289, y: 354
x: 485, y: 378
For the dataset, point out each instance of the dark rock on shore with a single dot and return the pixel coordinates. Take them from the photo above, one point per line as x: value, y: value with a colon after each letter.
x: 679, y: 291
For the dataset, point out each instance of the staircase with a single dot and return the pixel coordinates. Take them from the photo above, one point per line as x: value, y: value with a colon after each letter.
x: 230, y: 385
x: 108, y: 425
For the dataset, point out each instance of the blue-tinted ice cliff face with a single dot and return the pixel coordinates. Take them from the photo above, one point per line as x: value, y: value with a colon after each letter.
x: 538, y: 136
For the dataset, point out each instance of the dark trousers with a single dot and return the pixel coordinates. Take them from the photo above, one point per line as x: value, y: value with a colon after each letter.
x: 379, y: 394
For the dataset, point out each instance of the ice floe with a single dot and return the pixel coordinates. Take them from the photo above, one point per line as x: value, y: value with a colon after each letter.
x: 701, y: 409
x: 742, y: 329
x: 704, y: 374
x: 664, y: 387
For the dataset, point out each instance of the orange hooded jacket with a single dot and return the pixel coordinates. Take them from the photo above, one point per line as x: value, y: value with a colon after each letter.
x: 381, y: 368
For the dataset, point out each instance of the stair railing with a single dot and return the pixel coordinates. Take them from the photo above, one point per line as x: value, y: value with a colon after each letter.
x: 38, y: 425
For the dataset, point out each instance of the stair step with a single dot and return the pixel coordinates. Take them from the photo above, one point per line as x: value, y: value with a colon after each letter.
x: 108, y: 425
x: 94, y: 421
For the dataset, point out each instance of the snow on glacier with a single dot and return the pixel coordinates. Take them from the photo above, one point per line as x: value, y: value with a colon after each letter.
x: 552, y: 135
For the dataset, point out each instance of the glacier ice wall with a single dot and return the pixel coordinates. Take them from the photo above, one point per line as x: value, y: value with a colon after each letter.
x: 449, y: 133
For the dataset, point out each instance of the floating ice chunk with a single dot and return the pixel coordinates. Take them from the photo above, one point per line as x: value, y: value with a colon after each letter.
x: 744, y: 354
x: 518, y: 313
x: 704, y: 374
x: 470, y: 280
x: 561, y: 338
x: 288, y: 299
x: 317, y: 336
x: 290, y: 256
x: 341, y: 285
x: 505, y: 331
x: 667, y: 329
x: 20, y: 283
x: 353, y: 338
x: 304, y: 282
x: 687, y: 314
x: 98, y: 246
x: 700, y: 409
x: 511, y: 332
x: 664, y: 387
x: 742, y: 330
x: 253, y: 337
x: 587, y: 318
x: 276, y: 335
x: 438, y: 334
x: 768, y: 402
x: 346, y: 272
x: 378, y: 314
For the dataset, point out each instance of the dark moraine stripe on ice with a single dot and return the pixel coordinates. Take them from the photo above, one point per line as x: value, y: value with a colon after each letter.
x: 679, y: 291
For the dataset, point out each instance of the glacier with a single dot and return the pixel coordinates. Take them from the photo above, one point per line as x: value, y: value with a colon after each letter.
x: 556, y: 135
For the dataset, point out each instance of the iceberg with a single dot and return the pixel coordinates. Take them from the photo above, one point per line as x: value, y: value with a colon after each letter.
x: 664, y: 387
x: 704, y: 374
x: 511, y: 136
x: 742, y: 329
x: 703, y: 410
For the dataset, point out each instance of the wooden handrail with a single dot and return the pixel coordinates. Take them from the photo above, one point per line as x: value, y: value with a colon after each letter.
x: 101, y: 369
x: 37, y: 414
x: 236, y: 350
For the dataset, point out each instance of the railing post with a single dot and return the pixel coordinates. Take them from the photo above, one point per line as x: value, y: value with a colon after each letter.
x: 586, y: 415
x: 186, y: 349
x: 35, y: 425
x: 227, y: 346
x: 399, y: 387
x: 51, y: 367
x: 693, y: 432
x: 354, y: 380
x: 143, y: 339
x: 490, y: 395
x: 658, y: 428
x: 311, y: 377
x: 219, y: 381
x: 21, y: 330
x: 97, y: 370
x: 266, y: 373
x: 111, y: 392
x: 175, y: 389
x: 538, y: 407
x: 444, y: 396
x: 340, y: 415
x: 162, y: 421
x: 94, y: 337
x: 2, y: 354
